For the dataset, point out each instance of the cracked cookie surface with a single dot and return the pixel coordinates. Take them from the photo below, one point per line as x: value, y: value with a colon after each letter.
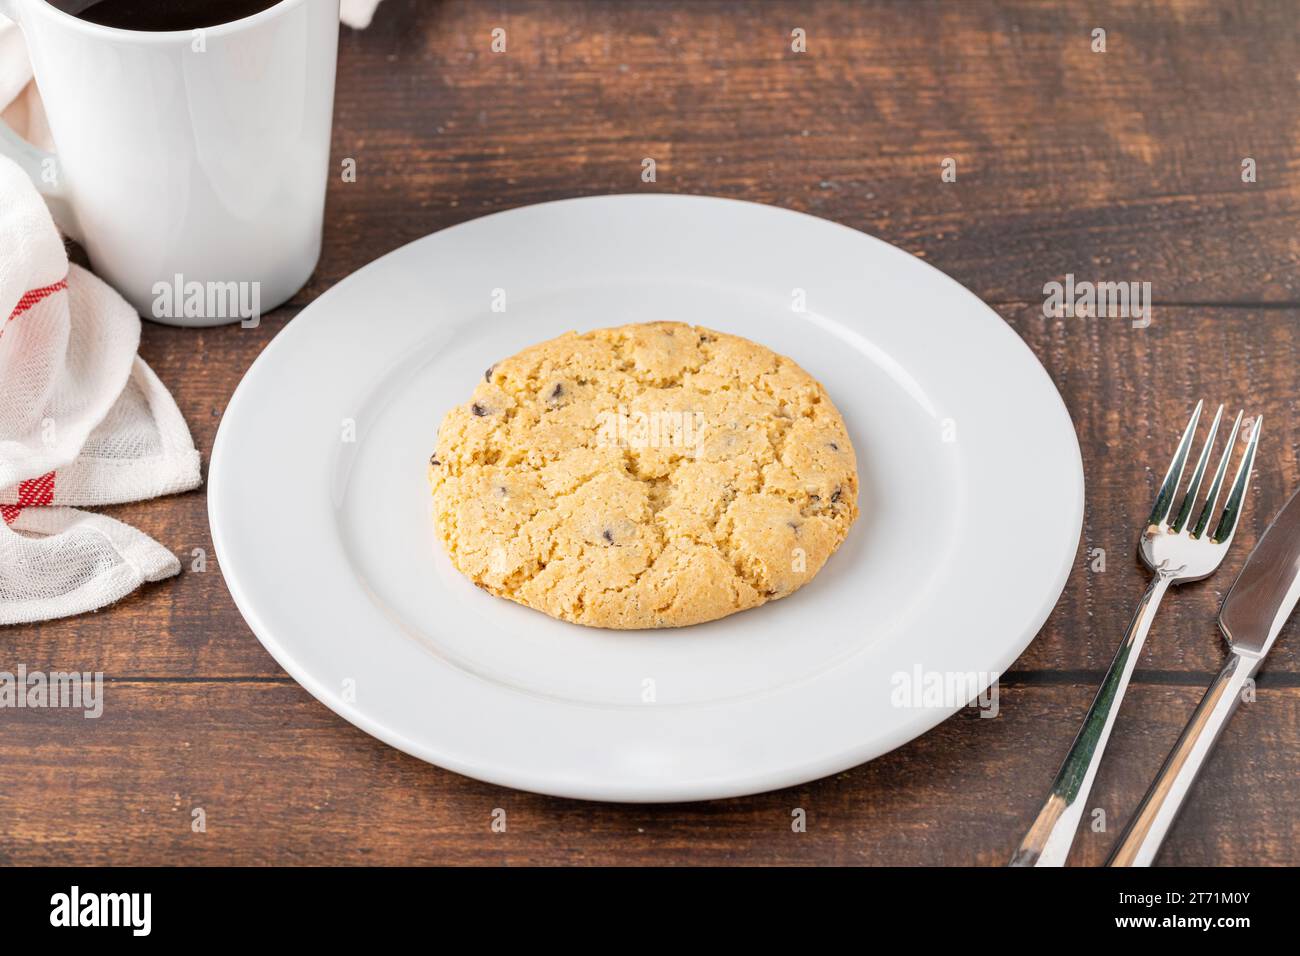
x: 652, y: 475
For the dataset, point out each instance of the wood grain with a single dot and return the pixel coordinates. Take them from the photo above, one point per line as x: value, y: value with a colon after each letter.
x: 280, y: 779
x: 1122, y: 166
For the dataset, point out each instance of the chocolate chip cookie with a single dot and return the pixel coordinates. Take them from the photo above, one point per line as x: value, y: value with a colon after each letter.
x: 652, y: 475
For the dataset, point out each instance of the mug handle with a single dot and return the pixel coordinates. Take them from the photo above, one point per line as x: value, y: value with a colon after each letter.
x: 40, y: 166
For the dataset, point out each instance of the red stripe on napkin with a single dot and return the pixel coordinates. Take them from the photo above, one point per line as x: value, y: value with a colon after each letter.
x: 29, y: 299
x: 34, y: 492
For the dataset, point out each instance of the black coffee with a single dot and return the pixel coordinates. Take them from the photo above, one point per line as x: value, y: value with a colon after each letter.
x: 157, y: 15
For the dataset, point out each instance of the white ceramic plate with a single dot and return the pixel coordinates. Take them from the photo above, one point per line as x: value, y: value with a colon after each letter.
x: 972, y: 494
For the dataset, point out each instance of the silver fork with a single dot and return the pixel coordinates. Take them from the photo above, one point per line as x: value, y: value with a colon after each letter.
x: 1177, y: 552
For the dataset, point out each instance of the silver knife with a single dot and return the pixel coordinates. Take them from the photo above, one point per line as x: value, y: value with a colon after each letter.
x: 1260, y: 601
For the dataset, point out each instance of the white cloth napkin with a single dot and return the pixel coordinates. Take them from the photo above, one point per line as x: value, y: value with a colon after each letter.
x: 83, y: 422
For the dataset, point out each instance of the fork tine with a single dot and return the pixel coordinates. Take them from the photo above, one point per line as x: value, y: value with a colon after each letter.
x: 1237, y: 498
x: 1216, y: 485
x: 1174, y: 476
x: 1189, y: 499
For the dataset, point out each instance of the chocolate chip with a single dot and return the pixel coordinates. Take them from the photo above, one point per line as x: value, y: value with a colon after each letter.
x: 433, y: 460
x: 479, y: 410
x: 835, y: 498
x: 556, y: 393
x: 707, y: 338
x: 608, y: 535
x: 503, y: 491
x: 487, y: 376
x: 834, y: 447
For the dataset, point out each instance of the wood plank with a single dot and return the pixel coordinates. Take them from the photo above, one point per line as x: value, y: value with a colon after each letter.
x: 282, y: 780
x: 1123, y: 165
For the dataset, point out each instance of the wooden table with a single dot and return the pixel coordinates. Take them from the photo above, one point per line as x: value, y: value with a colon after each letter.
x: 1117, y: 166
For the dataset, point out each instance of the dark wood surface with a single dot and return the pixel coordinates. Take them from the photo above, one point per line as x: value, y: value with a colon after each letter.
x: 1122, y: 166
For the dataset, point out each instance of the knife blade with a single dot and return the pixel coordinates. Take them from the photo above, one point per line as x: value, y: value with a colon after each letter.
x: 1266, y: 590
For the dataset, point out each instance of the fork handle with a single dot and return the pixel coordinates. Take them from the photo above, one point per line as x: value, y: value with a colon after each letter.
x: 1159, y: 808
x: 1050, y: 837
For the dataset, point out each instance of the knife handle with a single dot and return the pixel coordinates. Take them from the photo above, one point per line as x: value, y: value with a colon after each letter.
x: 1141, y: 840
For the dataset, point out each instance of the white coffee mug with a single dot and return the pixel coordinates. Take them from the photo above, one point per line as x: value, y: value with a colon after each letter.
x: 191, y: 165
